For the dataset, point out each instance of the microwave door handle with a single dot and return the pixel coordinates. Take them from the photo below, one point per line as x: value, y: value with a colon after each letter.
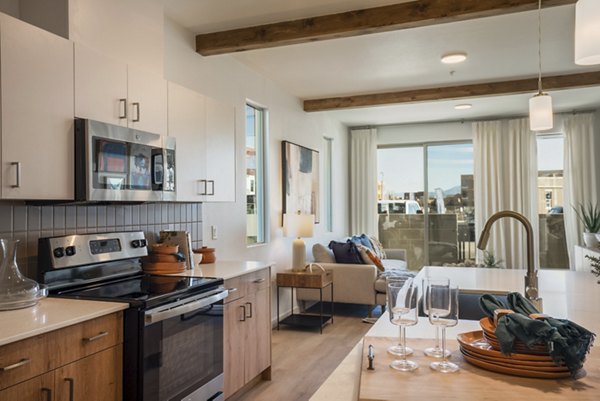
x: 157, y: 160
x: 154, y: 317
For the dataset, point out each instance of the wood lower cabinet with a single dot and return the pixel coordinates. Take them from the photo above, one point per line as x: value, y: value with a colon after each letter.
x: 40, y: 388
x: 93, y: 378
x: 80, y: 362
x: 247, y: 327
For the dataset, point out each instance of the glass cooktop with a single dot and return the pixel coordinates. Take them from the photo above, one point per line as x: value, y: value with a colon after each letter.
x: 144, y: 289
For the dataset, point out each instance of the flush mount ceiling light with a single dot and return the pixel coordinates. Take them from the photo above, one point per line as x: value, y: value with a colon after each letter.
x: 453, y: 58
x: 464, y: 106
x: 540, y: 105
x: 587, y: 32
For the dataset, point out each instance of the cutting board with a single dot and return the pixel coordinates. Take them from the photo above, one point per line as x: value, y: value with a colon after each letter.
x: 470, y: 383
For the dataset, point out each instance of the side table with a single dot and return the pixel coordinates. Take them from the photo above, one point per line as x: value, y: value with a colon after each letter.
x: 313, y: 280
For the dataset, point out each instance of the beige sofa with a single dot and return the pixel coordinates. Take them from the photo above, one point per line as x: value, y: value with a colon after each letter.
x: 356, y: 283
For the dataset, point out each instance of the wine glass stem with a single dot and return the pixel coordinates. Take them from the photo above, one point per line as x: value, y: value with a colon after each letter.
x: 437, y: 337
x: 403, y: 340
x: 444, y: 359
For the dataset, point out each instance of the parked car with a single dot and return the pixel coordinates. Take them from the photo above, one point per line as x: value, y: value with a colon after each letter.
x: 556, y: 210
x: 398, y: 206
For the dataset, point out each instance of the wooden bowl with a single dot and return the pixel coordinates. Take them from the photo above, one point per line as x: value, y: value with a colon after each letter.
x: 164, y: 267
x: 162, y: 257
x: 208, y: 254
x: 165, y: 248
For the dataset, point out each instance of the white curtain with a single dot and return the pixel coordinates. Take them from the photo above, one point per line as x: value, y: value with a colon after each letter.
x: 505, y: 175
x: 579, y: 175
x: 363, y: 181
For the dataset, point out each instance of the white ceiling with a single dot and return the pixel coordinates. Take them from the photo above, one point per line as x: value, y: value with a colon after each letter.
x: 499, y: 48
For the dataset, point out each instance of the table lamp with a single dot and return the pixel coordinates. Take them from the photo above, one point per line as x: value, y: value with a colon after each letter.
x: 300, y: 226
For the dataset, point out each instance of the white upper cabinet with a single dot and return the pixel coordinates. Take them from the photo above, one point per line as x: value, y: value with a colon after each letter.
x: 147, y: 101
x: 205, y: 132
x: 186, y: 124
x: 220, y: 151
x: 110, y: 91
x: 37, y: 112
x: 100, y: 87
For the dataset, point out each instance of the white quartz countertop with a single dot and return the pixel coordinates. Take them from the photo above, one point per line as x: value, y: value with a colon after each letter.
x: 51, y: 314
x: 565, y: 294
x: 225, y: 269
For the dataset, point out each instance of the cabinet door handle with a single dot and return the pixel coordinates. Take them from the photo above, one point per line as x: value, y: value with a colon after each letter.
x: 137, y: 114
x: 22, y: 362
x: 232, y: 289
x: 243, y: 319
x: 212, y: 187
x: 259, y: 280
x: 48, y: 393
x: 71, y: 382
x: 123, y: 107
x: 249, y: 307
x: 203, y: 192
x: 18, y: 174
x: 96, y: 337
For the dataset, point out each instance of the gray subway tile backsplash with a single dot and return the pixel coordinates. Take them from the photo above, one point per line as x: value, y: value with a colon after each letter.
x: 28, y: 223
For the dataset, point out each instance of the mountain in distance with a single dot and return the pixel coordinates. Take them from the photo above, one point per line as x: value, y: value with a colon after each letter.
x: 450, y: 191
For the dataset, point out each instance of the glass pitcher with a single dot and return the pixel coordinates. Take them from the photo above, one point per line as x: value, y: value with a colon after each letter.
x: 16, y: 290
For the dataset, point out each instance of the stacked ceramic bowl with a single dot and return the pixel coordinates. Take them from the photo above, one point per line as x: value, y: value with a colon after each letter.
x: 482, y: 348
x: 164, y: 259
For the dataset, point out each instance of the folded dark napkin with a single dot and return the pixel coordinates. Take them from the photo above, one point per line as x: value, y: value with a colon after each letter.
x: 567, y: 342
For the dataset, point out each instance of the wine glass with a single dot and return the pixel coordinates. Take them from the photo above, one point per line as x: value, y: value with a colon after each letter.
x: 443, y: 311
x: 398, y: 349
x: 402, y: 298
x: 432, y: 284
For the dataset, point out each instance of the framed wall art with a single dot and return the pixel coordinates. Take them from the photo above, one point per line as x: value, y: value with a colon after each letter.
x: 300, y: 179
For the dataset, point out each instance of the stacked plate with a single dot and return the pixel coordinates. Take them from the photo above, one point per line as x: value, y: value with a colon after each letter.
x: 481, y: 348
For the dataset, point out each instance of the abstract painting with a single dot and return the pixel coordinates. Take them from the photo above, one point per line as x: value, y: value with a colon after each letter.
x: 300, y: 179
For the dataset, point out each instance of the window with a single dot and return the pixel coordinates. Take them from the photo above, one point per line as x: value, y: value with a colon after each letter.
x: 425, y: 202
x: 550, y: 202
x: 255, y: 175
x: 328, y: 180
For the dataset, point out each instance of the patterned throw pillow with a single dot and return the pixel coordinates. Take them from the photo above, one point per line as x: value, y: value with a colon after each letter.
x: 369, y: 258
x: 377, y: 248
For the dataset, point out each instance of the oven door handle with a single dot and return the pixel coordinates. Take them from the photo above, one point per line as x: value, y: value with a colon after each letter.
x: 152, y: 317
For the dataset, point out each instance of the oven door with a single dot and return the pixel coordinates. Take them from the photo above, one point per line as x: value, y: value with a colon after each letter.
x: 183, y: 349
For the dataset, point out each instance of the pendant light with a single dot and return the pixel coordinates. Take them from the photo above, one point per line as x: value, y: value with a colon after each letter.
x: 540, y: 105
x: 587, y: 32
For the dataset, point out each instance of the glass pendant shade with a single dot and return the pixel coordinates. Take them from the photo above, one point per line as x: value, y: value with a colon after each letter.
x: 587, y: 32
x: 540, y: 112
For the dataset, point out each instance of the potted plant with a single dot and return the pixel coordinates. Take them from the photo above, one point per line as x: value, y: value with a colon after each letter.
x: 595, y: 262
x: 489, y: 260
x: 590, y: 217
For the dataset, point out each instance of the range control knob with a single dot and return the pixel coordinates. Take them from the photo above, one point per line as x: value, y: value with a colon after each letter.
x: 135, y: 243
x: 143, y: 243
x: 70, y: 251
x: 59, y: 252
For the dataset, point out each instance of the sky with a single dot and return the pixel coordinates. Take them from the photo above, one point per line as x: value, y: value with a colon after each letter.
x: 402, y: 168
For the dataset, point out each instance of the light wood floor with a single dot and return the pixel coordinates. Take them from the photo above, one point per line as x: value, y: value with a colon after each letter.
x: 303, y: 359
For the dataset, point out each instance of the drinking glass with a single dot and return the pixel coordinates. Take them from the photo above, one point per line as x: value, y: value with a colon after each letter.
x: 402, y: 298
x: 443, y: 312
x: 398, y: 349
x: 432, y: 284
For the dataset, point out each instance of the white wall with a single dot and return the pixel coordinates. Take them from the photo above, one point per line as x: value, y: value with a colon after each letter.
x: 225, y: 79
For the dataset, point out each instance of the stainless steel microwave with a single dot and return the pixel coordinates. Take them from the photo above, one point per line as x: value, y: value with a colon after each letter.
x: 114, y: 163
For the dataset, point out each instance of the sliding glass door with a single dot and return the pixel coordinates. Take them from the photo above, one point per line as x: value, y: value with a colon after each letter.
x: 425, y: 202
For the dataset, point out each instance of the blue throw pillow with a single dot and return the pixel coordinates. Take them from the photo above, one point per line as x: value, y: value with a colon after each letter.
x: 345, y: 252
x: 362, y: 240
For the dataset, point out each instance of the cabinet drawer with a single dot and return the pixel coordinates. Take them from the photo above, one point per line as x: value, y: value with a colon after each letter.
x: 23, y: 360
x: 83, y: 339
x: 236, y: 287
x: 257, y: 280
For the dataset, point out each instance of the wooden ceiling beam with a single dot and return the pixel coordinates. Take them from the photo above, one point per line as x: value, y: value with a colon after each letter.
x: 454, y: 92
x: 361, y: 22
